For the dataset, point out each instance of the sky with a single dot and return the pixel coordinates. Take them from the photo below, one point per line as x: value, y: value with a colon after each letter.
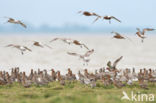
x: 132, y: 13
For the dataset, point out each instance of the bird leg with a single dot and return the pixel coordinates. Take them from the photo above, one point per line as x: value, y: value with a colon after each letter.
x: 142, y: 40
x: 22, y: 52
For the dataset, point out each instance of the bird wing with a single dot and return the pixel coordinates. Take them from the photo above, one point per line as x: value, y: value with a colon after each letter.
x: 147, y: 29
x: 22, y: 24
x: 138, y: 30
x: 55, y: 39
x: 88, y: 53
x: 73, y: 54
x: 48, y: 46
x: 85, y: 46
x: 115, y: 18
x: 109, y: 64
x: 27, y: 48
x: 96, y: 19
x: 116, y: 61
x: 10, y: 18
x: 9, y: 45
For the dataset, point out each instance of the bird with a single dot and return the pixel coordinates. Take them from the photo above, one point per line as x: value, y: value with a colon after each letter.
x: 11, y: 20
x: 111, y: 17
x: 71, y: 41
x: 83, y: 57
x: 19, y: 47
x: 65, y: 40
x: 38, y: 44
x: 86, y: 13
x: 113, y: 66
x: 140, y: 35
x: 117, y: 35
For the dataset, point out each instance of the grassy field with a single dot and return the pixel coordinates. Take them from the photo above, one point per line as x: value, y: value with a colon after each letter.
x: 70, y: 93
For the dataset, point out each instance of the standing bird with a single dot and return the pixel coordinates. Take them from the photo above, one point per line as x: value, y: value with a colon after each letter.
x: 38, y: 44
x: 83, y: 57
x: 111, y: 17
x: 71, y: 41
x: 11, y: 20
x: 86, y: 13
x: 19, y: 47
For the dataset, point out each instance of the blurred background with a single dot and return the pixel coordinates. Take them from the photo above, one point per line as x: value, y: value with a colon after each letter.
x: 61, y: 16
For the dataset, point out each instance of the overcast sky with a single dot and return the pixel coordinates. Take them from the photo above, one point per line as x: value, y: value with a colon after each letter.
x: 60, y: 12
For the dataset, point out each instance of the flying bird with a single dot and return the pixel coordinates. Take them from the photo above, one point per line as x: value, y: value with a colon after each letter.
x: 111, y: 17
x: 71, y: 41
x: 86, y: 13
x: 140, y: 35
x: 38, y: 44
x: 118, y: 36
x: 113, y: 66
x: 65, y: 40
x: 19, y: 47
x: 11, y: 20
x: 83, y: 57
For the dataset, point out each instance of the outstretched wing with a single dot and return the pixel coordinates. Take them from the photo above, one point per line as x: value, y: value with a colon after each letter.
x: 116, y: 61
x: 22, y: 24
x: 116, y: 33
x: 88, y: 53
x: 96, y: 19
x: 115, y: 18
x: 73, y: 54
x: 147, y: 29
x: 9, y: 45
x: 11, y: 19
x: 109, y: 64
x: 55, y: 39
x: 85, y: 46
x: 48, y: 46
x: 27, y: 48
x: 138, y: 30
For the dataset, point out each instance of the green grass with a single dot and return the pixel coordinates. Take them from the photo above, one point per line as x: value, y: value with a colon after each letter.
x: 70, y: 93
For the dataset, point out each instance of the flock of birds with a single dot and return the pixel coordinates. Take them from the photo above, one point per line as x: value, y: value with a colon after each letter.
x: 107, y: 76
x: 84, y: 57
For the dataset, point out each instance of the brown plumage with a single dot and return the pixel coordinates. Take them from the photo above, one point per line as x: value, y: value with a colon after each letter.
x: 86, y: 13
x: 140, y: 35
x: 71, y: 41
x: 147, y: 29
x: 38, y: 44
x: 118, y: 36
x: 113, y: 67
x: 111, y: 17
x: 83, y: 57
x: 11, y: 20
x: 19, y: 47
x: 76, y: 42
